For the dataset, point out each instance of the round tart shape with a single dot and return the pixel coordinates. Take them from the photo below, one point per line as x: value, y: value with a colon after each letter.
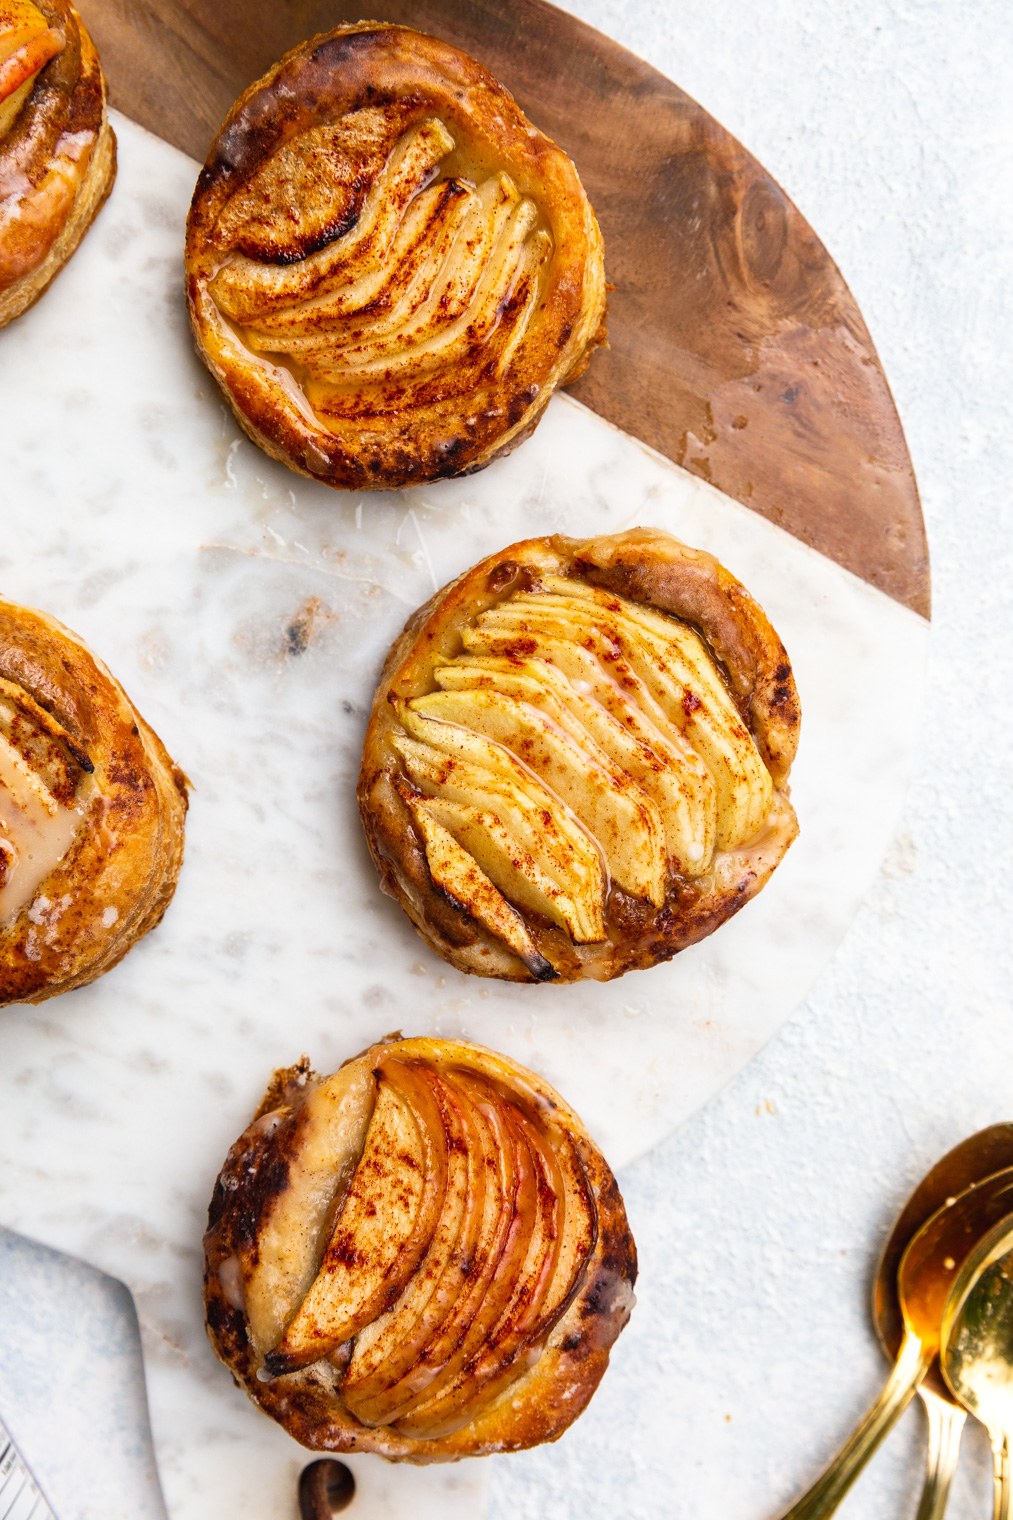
x: 91, y: 813
x: 389, y: 269
x: 424, y: 1255
x: 57, y: 149
x: 578, y: 756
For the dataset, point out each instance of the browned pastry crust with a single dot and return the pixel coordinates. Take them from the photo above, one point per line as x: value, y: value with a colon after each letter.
x: 389, y: 269
x: 651, y: 570
x: 66, y: 721
x: 550, y: 1379
x: 57, y: 165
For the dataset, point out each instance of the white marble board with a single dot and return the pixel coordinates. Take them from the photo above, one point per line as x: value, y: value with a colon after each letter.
x: 247, y: 612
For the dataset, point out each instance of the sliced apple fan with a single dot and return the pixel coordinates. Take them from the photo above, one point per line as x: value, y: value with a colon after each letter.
x: 460, y: 1242
x: 579, y: 738
x: 430, y: 275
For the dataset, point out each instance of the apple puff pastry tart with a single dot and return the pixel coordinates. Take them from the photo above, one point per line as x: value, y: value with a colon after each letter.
x: 91, y: 813
x: 423, y: 1256
x: 57, y: 149
x: 389, y: 269
x: 578, y: 756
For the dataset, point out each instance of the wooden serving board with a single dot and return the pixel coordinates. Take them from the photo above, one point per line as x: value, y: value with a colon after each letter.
x: 736, y: 349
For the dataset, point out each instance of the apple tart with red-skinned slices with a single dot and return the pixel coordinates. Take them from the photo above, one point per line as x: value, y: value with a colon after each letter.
x: 91, y: 813
x: 424, y: 1255
x: 57, y: 149
x: 578, y: 757
x: 389, y: 269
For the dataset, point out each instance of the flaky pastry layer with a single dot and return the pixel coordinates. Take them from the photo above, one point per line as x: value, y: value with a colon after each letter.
x: 389, y: 269
x: 274, y: 1211
x: 81, y: 775
x: 57, y: 165
x: 611, y: 808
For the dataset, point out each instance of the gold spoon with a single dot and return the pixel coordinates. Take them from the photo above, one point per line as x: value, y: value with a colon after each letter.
x: 924, y: 1279
x: 980, y: 1156
x: 977, y: 1348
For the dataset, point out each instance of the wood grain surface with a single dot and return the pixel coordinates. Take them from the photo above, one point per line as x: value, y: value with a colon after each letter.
x: 736, y: 348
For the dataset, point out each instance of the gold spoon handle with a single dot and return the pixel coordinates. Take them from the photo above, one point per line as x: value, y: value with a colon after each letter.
x: 946, y: 1426
x: 912, y: 1363
x: 1001, y: 1469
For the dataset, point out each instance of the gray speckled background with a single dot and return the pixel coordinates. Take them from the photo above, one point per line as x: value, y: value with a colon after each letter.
x: 890, y: 124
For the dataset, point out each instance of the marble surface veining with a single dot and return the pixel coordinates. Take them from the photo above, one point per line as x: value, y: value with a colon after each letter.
x: 247, y: 613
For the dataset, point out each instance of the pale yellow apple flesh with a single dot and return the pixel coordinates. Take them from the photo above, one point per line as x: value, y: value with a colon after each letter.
x: 385, y: 1226
x: 552, y: 833
x: 688, y: 824
x: 449, y: 1349
x: 520, y: 1257
x: 388, y: 1348
x: 502, y: 858
x: 576, y: 729
x: 431, y: 1225
x: 457, y: 873
x: 681, y: 678
x: 595, y: 669
x: 503, y: 1337
x: 624, y: 821
x: 560, y: 851
x: 322, y: 1155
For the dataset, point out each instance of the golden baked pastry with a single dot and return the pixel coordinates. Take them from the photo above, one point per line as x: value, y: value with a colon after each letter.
x: 424, y: 1255
x: 389, y: 269
x: 578, y: 756
x: 57, y: 149
x: 91, y: 813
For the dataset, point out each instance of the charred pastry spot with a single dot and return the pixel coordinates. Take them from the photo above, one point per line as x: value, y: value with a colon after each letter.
x: 82, y: 759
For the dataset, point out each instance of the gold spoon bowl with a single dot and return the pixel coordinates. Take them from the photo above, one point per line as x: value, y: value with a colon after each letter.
x: 977, y: 1348
x: 978, y: 1157
x: 926, y: 1274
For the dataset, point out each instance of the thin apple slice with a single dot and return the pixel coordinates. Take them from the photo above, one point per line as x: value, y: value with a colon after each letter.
x: 511, y: 1351
x: 499, y: 1236
x: 509, y: 865
x: 424, y: 239
x: 516, y: 1346
x: 689, y: 827
x: 691, y: 692
x: 322, y: 1152
x: 245, y: 289
x: 578, y: 1231
x: 386, y: 1225
x: 493, y: 1359
x: 524, y: 1226
x: 613, y: 687
x: 458, y: 874
x: 624, y: 821
x: 392, y: 1344
x: 547, y: 836
x: 564, y: 837
x: 692, y: 661
x: 744, y: 787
